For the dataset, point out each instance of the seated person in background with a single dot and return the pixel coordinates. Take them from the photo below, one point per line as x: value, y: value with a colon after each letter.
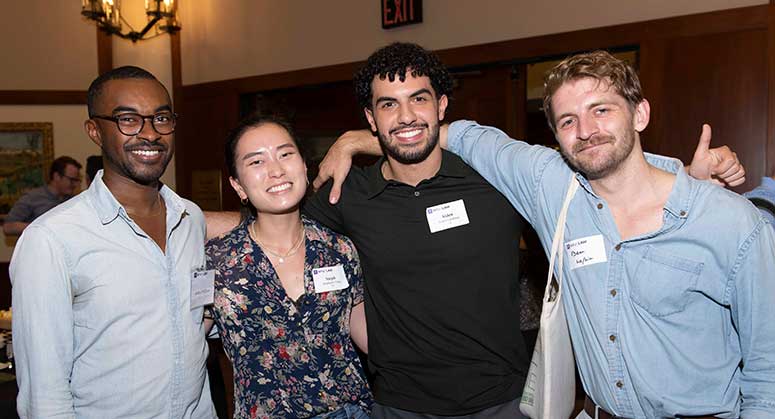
x: 763, y: 196
x: 288, y: 291
x: 64, y: 179
x: 93, y: 165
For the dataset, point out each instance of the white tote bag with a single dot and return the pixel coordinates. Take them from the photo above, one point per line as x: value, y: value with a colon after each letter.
x: 550, y: 390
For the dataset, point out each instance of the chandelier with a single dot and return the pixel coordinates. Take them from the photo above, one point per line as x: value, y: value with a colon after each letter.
x: 162, y: 14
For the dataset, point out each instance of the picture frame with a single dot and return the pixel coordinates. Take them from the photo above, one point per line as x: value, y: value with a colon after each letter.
x: 26, y: 153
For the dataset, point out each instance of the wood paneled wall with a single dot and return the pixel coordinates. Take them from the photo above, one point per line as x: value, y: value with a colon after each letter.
x: 712, y: 67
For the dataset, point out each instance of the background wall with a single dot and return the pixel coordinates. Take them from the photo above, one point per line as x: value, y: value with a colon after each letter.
x: 249, y: 37
x: 48, y: 46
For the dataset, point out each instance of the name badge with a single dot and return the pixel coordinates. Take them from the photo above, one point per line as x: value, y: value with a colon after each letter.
x: 330, y: 278
x: 445, y: 216
x: 202, y: 288
x: 586, y: 251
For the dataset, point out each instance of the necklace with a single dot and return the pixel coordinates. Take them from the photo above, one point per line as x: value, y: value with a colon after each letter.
x: 280, y: 258
x: 159, y: 205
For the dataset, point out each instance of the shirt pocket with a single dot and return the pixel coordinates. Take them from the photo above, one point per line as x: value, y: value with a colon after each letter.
x: 663, y: 282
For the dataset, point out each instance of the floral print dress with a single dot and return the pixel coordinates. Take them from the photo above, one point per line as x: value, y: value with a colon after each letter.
x: 291, y: 359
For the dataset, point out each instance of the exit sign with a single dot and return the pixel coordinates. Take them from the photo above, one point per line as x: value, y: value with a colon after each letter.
x: 400, y: 12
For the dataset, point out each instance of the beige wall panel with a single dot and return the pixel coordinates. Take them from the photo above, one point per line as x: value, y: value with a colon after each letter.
x: 239, y: 38
x: 46, y: 45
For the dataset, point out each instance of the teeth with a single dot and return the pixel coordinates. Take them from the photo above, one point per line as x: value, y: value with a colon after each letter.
x: 279, y: 188
x: 408, y: 134
x: 146, y: 153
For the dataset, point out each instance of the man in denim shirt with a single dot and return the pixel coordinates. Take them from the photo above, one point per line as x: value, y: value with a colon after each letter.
x: 103, y: 322
x: 668, y: 280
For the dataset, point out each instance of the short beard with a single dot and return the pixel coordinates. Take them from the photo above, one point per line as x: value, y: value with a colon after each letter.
x: 599, y: 171
x: 411, y: 156
x: 141, y: 177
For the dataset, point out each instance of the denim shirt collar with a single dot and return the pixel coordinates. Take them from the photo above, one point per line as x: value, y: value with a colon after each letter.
x: 679, y: 200
x: 108, y: 208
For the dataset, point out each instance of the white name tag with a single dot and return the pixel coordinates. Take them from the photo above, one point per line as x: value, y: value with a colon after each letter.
x: 330, y: 278
x: 585, y: 251
x: 202, y: 288
x: 445, y: 216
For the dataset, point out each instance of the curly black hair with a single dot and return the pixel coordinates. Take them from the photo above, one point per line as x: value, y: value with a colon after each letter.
x: 393, y: 60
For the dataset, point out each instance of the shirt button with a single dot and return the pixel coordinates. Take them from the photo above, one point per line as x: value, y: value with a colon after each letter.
x: 619, y: 384
x: 613, y: 293
x: 416, y: 193
x: 612, y: 338
x: 683, y: 213
x: 618, y: 247
x: 599, y: 206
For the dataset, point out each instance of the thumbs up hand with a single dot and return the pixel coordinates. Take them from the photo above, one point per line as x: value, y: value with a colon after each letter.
x: 720, y: 165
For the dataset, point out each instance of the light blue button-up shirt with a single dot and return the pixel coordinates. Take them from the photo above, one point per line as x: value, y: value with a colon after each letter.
x: 102, y: 325
x: 765, y: 191
x: 677, y: 322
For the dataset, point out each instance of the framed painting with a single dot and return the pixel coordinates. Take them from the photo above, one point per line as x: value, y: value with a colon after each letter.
x: 26, y: 152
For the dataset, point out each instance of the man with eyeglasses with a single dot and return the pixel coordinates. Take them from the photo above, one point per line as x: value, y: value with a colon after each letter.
x: 106, y: 323
x: 64, y: 179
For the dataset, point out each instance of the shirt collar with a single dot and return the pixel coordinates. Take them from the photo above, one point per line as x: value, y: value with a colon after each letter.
x: 108, y: 208
x: 679, y: 199
x: 451, y: 166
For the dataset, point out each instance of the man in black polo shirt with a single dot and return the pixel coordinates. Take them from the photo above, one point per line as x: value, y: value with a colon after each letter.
x: 439, y: 249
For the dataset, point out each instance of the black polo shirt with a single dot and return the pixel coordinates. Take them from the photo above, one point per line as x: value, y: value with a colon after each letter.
x: 442, y: 308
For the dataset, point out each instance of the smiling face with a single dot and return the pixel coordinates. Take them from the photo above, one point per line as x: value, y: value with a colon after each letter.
x: 596, y: 127
x: 141, y: 158
x: 406, y: 117
x: 271, y: 172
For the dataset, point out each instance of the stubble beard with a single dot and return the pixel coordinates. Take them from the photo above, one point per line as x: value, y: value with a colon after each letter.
x: 596, y: 169
x: 139, y: 173
x: 413, y: 155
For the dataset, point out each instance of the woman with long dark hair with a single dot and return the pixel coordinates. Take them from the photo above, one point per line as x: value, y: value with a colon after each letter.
x: 288, y: 291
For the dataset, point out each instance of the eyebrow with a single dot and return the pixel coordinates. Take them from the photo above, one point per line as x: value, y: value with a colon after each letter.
x: 392, y: 99
x: 118, y: 109
x: 590, y: 106
x: 257, y: 153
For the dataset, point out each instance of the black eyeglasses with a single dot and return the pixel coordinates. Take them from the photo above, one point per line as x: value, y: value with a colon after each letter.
x: 132, y: 123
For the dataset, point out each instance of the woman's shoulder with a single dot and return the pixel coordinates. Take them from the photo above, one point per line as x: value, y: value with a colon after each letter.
x: 329, y: 238
x: 217, y: 247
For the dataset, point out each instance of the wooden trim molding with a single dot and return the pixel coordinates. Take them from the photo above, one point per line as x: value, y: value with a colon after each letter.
x: 177, y: 71
x: 42, y: 97
x: 104, y: 51
x: 730, y: 20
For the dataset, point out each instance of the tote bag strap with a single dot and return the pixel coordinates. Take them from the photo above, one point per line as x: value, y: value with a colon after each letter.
x: 552, y: 286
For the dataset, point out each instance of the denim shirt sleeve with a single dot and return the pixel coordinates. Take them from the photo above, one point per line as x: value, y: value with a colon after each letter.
x: 764, y: 191
x: 752, y: 297
x: 42, y: 325
x: 514, y: 168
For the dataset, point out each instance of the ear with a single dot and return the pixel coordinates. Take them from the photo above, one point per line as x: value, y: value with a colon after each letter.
x: 370, y: 117
x: 640, y: 119
x: 93, y: 131
x: 443, y: 102
x: 238, y: 188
